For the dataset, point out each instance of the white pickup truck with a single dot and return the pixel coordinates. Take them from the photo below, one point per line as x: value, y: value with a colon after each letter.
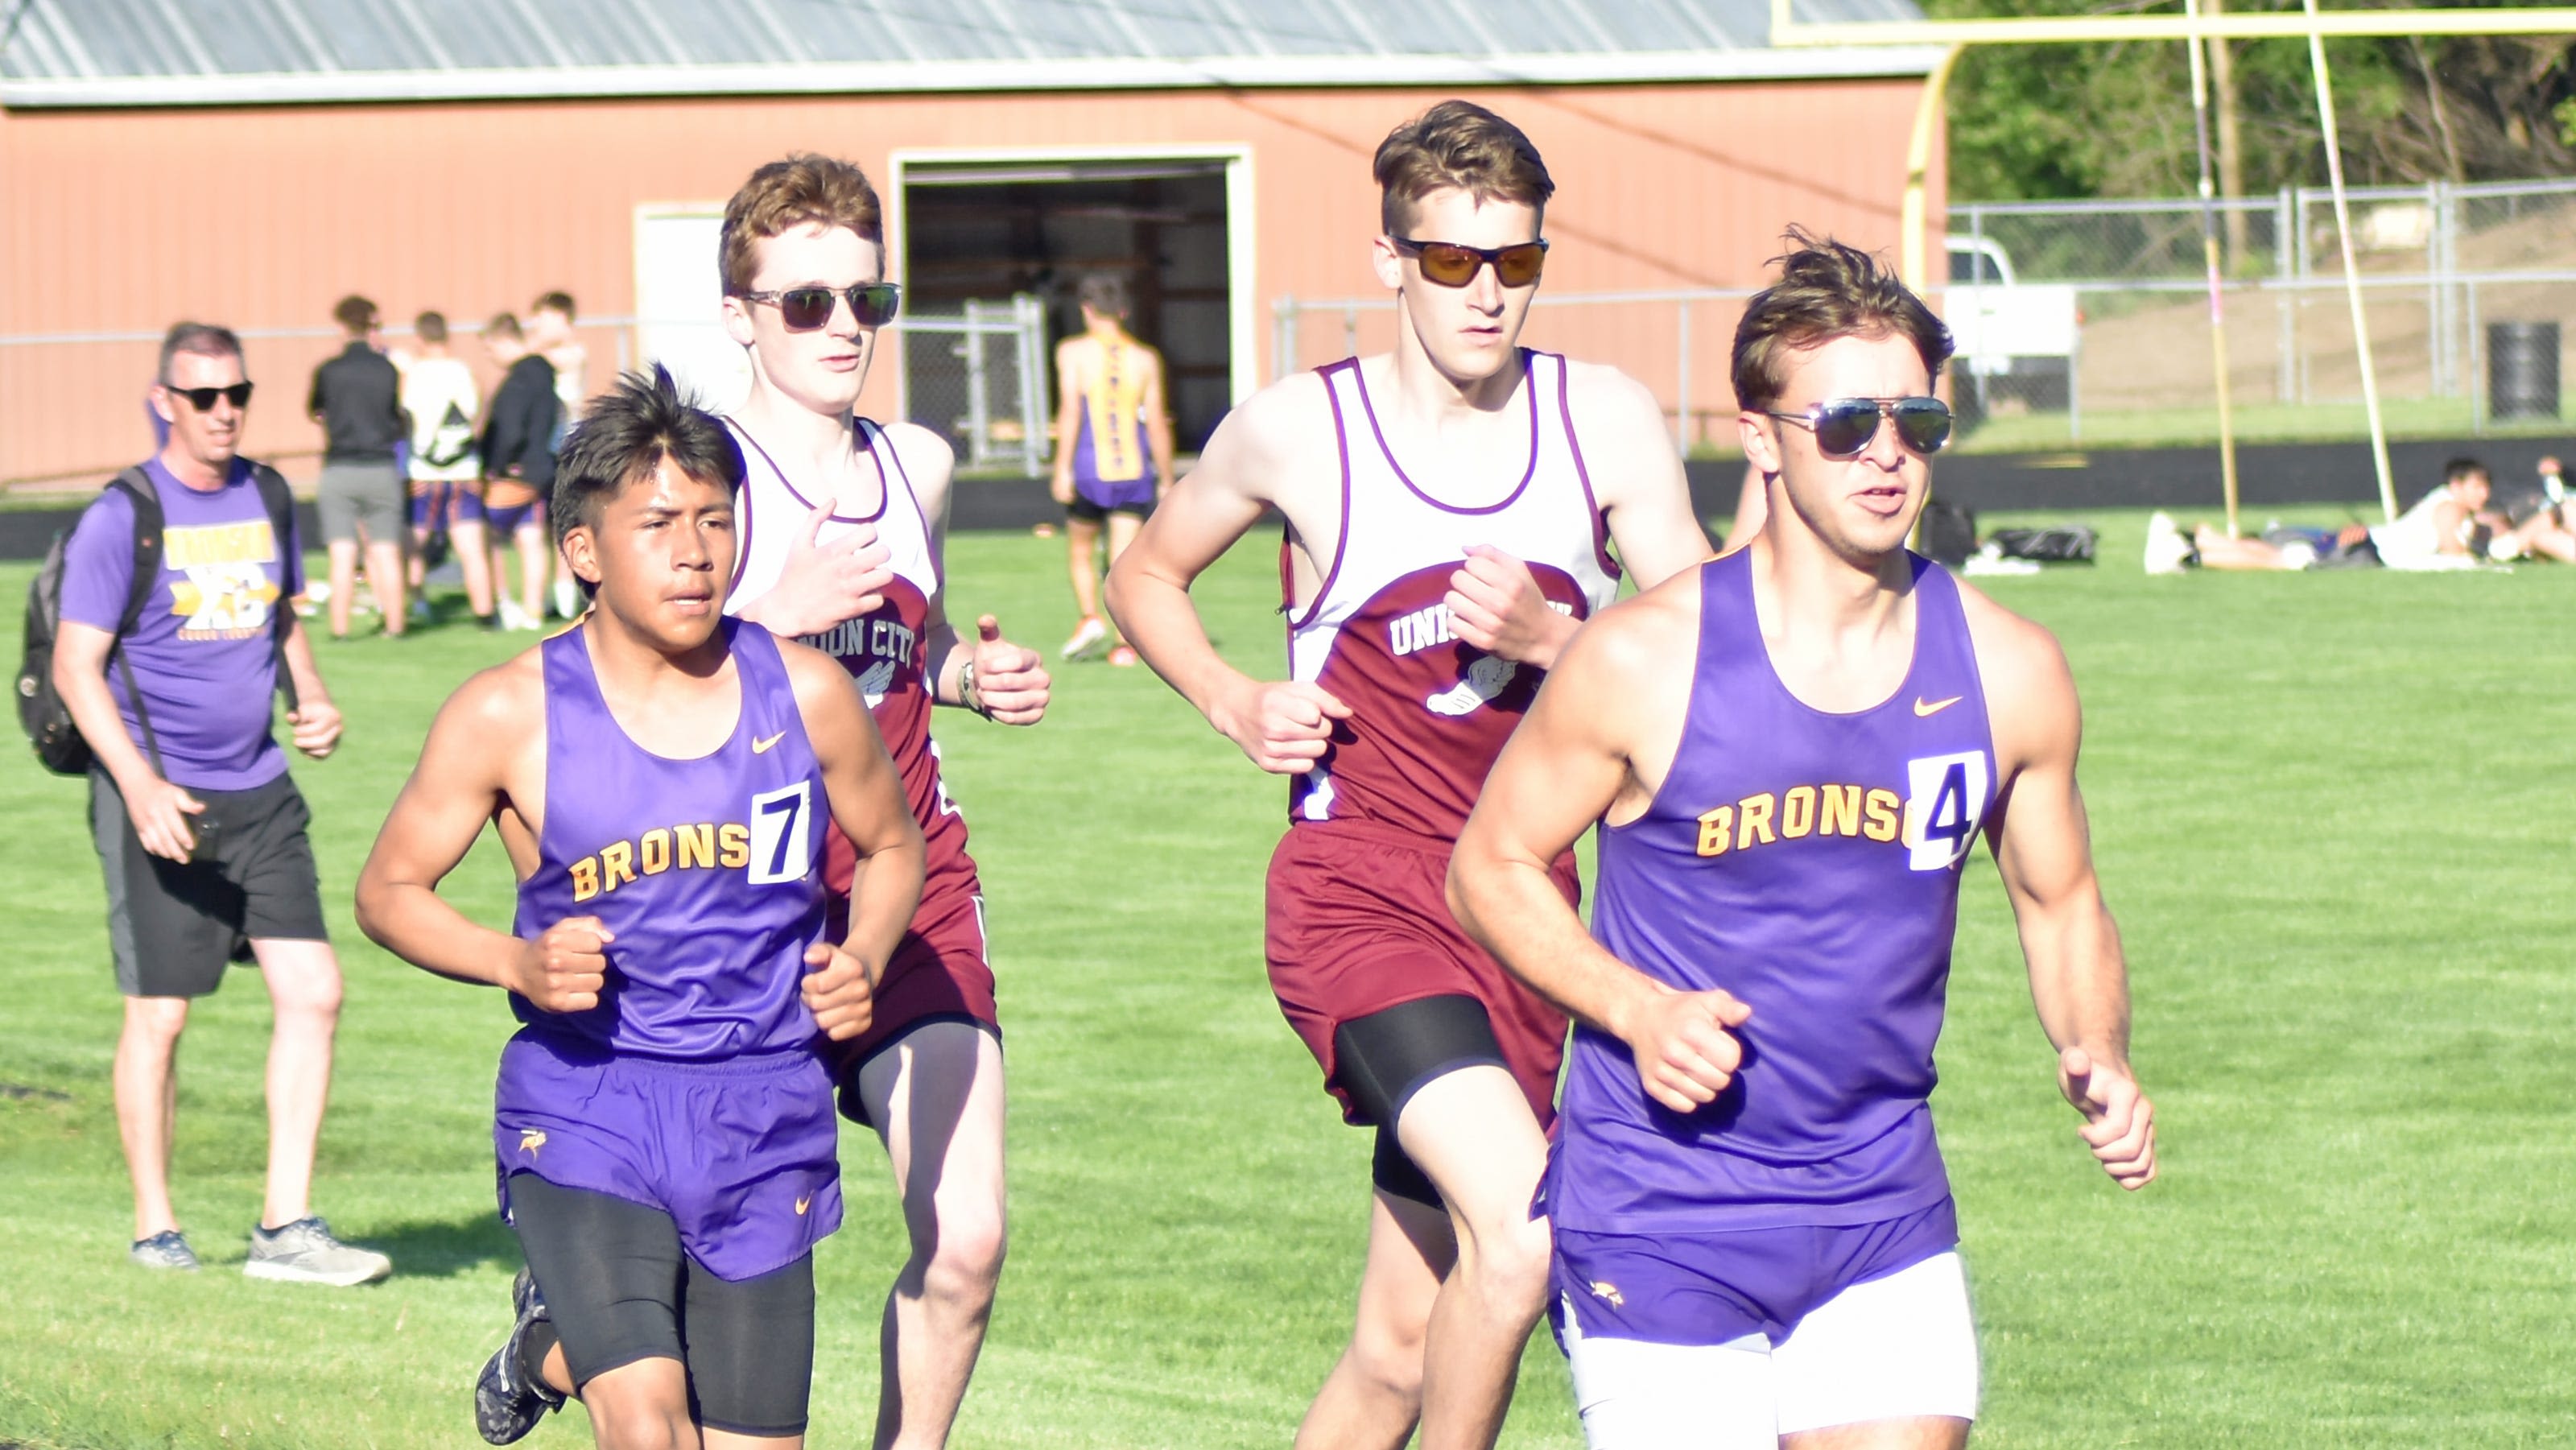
x: 2015, y: 340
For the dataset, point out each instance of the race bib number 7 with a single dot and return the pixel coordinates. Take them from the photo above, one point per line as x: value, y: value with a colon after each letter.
x: 781, y: 848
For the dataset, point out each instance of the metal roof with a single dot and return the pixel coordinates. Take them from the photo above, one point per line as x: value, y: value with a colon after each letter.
x: 219, y: 52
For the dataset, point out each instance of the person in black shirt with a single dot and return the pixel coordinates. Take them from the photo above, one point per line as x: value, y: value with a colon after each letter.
x: 519, y: 466
x: 357, y: 399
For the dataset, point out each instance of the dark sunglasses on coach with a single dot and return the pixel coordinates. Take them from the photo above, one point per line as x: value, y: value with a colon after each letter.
x: 804, y: 309
x: 1454, y: 264
x: 203, y: 399
x: 1845, y: 426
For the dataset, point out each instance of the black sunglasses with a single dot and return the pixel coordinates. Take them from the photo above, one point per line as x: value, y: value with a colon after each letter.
x: 1454, y: 264
x: 1845, y: 426
x: 804, y: 309
x: 203, y: 399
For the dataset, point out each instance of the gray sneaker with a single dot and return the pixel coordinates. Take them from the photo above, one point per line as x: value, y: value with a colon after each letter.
x: 303, y: 1252
x: 164, y: 1250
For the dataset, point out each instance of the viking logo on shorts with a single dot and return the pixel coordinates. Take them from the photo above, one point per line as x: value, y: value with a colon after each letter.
x: 530, y: 1140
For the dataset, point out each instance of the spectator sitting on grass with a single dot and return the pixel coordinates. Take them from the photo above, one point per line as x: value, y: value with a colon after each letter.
x: 2449, y: 528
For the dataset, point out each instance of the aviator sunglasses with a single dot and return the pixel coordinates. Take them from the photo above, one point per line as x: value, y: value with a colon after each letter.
x: 203, y: 399
x: 1454, y: 264
x: 1845, y: 426
x: 804, y: 309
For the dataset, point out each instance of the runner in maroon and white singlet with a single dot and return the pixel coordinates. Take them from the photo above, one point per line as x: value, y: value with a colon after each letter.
x: 1449, y: 509
x: 842, y: 520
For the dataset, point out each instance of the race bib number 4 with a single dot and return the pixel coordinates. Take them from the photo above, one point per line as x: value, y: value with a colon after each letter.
x: 1945, y: 800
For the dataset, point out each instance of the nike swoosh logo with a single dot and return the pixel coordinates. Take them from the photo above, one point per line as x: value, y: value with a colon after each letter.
x: 761, y: 747
x: 1924, y: 708
x: 803, y: 1204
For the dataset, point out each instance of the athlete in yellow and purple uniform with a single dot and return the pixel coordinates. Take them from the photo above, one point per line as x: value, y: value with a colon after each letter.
x: 1113, y: 448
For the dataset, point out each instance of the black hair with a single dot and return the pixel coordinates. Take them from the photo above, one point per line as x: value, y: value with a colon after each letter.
x: 2460, y: 468
x: 202, y: 338
x: 624, y: 435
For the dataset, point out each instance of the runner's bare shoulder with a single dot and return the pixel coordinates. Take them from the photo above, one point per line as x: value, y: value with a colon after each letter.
x: 1277, y: 442
x: 2022, y: 665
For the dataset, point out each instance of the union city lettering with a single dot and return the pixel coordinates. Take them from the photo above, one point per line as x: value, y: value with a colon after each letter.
x: 871, y: 638
x: 705, y: 846
x: 1424, y: 628
x: 1800, y: 812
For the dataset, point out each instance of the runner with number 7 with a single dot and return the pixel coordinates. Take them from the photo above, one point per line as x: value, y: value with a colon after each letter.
x: 662, y: 779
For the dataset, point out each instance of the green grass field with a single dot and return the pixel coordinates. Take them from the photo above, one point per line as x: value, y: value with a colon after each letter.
x: 2324, y: 813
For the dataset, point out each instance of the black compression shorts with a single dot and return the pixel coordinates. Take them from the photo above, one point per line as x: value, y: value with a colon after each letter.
x: 619, y: 1289
x: 1384, y: 1058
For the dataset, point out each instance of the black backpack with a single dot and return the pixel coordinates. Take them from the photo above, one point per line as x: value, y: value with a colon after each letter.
x: 41, y: 712
x: 1949, y: 533
x: 2058, y: 544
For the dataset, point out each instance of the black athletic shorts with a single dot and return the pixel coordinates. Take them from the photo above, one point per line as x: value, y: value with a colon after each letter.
x: 1384, y: 1058
x: 173, y: 925
x: 1092, y: 512
x: 619, y: 1289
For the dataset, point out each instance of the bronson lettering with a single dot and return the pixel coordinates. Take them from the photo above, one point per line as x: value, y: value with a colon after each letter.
x: 705, y: 846
x: 1799, y: 812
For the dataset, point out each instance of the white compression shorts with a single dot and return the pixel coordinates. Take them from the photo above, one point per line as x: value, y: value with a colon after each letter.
x: 1900, y: 1347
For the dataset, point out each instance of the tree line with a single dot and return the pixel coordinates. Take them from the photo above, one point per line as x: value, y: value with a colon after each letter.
x: 2074, y: 121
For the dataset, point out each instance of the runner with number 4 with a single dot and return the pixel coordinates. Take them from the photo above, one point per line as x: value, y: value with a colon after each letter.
x: 1790, y: 752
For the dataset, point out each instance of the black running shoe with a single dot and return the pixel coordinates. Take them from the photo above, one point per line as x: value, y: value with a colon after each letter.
x: 508, y: 1403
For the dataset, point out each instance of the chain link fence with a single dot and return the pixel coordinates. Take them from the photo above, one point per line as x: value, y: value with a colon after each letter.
x: 73, y: 406
x: 979, y: 377
x: 2089, y: 322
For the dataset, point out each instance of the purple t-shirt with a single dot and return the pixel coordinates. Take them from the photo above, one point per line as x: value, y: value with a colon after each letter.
x: 203, y: 654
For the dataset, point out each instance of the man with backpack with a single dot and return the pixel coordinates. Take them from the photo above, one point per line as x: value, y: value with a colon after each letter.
x: 173, y: 631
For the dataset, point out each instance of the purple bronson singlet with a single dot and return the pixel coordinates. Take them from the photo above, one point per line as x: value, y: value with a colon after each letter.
x: 1808, y: 863
x: 707, y: 871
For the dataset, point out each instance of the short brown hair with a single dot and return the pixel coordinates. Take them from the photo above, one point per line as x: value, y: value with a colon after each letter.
x: 356, y: 314
x: 553, y: 302
x: 787, y: 194
x: 1104, y: 293
x: 1827, y: 289
x: 1457, y: 144
x: 430, y: 327
x: 502, y: 325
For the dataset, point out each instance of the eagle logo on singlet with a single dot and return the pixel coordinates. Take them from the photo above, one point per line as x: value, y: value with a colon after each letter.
x: 1488, y: 677
x: 875, y: 680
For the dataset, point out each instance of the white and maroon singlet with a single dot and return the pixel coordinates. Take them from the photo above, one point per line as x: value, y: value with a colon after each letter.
x: 882, y: 650
x: 1430, y: 711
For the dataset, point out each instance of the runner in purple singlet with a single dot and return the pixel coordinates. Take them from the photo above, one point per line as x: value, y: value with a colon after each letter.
x: 1790, y: 752
x: 663, y: 1127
